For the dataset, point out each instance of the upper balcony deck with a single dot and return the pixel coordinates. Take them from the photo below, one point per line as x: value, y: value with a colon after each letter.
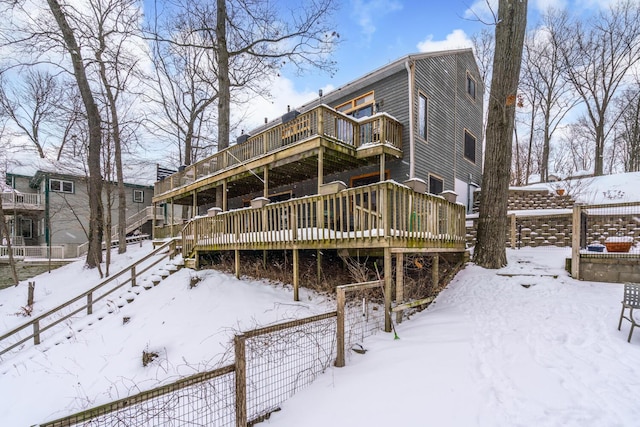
x: 15, y: 201
x: 346, y: 142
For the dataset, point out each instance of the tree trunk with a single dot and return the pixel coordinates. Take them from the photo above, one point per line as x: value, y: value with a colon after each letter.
x: 4, y: 231
x: 94, y: 254
x: 492, y: 221
x: 224, y: 95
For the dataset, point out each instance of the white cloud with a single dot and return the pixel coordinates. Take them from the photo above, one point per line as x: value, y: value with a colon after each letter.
x: 457, y: 39
x: 483, y: 10
x: 366, y: 12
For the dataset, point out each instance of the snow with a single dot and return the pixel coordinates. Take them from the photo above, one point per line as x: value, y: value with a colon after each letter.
x: 524, y: 345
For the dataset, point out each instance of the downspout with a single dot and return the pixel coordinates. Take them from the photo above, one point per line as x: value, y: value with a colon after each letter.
x: 412, y: 164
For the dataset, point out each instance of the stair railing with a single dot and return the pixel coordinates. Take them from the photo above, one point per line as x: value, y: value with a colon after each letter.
x: 40, y: 324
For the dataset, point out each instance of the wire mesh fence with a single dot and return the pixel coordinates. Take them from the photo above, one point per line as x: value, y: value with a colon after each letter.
x: 271, y: 364
x: 610, y: 229
x: 205, y: 399
x: 284, y: 358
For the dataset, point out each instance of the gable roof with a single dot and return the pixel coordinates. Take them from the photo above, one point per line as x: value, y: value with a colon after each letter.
x: 369, y: 78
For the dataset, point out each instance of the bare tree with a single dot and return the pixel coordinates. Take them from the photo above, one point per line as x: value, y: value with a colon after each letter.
x: 597, y: 56
x: 544, y: 81
x: 94, y: 122
x: 32, y: 105
x: 185, y: 89
x: 492, y: 221
x: 628, y: 128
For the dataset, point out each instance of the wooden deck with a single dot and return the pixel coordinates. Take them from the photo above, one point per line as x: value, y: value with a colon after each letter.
x: 341, y: 141
x: 380, y: 215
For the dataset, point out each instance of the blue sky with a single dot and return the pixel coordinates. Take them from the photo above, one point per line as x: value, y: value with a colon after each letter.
x: 376, y: 32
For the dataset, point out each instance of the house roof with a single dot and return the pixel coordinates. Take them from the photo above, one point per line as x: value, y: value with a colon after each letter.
x: 369, y: 78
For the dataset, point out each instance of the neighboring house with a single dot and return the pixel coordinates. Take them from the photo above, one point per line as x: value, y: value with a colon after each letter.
x: 51, y: 209
x: 358, y: 169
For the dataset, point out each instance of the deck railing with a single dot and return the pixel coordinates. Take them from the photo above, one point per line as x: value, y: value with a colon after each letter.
x: 22, y: 200
x: 322, y: 121
x: 56, y: 252
x: 375, y: 215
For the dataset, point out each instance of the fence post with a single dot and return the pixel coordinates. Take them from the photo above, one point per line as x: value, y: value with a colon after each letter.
x: 133, y: 276
x: 36, y: 332
x: 241, y: 380
x: 90, y: 303
x: 340, y: 301
x: 575, y: 241
x: 32, y: 287
x: 512, y: 235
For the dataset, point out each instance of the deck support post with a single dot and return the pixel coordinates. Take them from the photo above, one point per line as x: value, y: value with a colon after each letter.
x: 172, y: 219
x: 237, y: 263
x: 194, y: 205
x: 296, y: 275
x: 264, y: 259
x: 382, y: 166
x: 318, y: 266
x: 387, y: 289
x: 320, y: 205
x: 153, y: 221
x: 224, y: 195
x: 399, y: 283
x: 265, y: 178
x: 435, y: 271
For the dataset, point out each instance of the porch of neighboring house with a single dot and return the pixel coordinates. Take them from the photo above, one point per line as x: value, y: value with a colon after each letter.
x: 384, y: 218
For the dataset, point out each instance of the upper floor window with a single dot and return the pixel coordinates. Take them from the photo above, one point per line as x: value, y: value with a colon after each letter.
x: 362, y: 106
x: 423, y: 104
x: 9, y: 181
x: 138, y: 196
x: 61, y: 186
x: 469, y: 146
x: 471, y: 86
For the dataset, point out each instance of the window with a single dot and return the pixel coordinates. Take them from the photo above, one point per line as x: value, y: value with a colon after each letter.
x: 471, y: 86
x: 138, y: 196
x: 422, y: 116
x: 469, y: 146
x: 436, y: 184
x: 361, y: 106
x: 60, y: 186
x: 10, y: 182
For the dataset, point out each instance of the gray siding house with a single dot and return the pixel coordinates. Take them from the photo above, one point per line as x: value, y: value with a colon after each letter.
x: 338, y: 168
x: 51, y: 209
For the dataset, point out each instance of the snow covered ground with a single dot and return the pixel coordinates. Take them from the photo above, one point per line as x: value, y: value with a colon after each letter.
x: 521, y: 346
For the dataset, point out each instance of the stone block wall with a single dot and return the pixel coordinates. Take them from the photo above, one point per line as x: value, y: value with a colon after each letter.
x: 614, y: 269
x: 520, y: 200
x: 534, y: 231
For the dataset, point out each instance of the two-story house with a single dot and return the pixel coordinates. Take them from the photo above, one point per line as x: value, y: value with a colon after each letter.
x: 47, y: 208
x: 359, y: 168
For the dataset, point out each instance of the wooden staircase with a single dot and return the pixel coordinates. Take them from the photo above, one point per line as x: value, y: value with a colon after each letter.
x: 93, y: 305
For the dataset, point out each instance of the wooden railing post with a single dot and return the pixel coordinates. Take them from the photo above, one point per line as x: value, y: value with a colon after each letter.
x: 133, y: 276
x: 36, y: 332
x: 90, y: 303
x: 241, y: 380
x: 387, y: 289
x: 340, y: 301
x: 512, y: 228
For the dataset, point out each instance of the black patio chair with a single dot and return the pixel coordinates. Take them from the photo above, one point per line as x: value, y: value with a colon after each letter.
x: 631, y: 300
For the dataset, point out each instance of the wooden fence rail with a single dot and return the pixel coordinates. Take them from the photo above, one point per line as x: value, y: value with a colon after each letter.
x: 43, y: 322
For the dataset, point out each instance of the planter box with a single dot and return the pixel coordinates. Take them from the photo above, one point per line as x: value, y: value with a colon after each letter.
x: 618, y: 246
x: 595, y: 248
x: 332, y: 187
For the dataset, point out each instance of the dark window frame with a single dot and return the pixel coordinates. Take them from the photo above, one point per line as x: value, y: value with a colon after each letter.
x: 470, y: 152
x: 435, y: 179
x: 138, y: 200
x: 61, y: 186
x: 472, y: 86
